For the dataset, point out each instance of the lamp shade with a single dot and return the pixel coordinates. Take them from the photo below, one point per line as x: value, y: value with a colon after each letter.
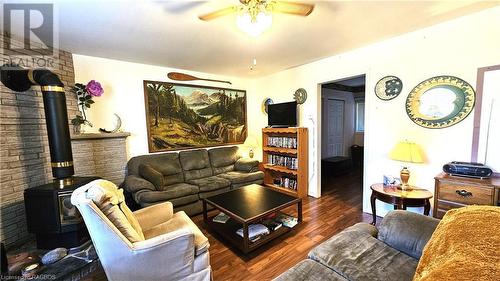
x: 407, y: 152
x: 251, y: 142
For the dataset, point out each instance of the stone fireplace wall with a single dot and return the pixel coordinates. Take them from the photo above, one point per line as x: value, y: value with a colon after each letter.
x: 24, y: 151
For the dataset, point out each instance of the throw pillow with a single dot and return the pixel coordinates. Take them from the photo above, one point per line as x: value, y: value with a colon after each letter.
x: 152, y: 175
x: 110, y: 200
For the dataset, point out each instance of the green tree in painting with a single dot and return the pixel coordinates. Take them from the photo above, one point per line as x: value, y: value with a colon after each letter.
x: 159, y: 91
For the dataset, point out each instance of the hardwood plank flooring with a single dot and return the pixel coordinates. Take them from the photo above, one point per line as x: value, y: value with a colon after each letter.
x: 338, y: 208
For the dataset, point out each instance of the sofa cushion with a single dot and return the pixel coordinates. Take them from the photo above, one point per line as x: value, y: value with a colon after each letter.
x: 238, y: 185
x: 357, y: 255
x: 223, y: 159
x: 203, y: 195
x: 210, y: 183
x: 169, y: 192
x: 184, y: 200
x: 309, y: 270
x: 242, y: 177
x: 152, y: 175
x: 110, y: 200
x: 190, y: 209
x: 464, y: 246
x: 180, y: 220
x: 195, y: 164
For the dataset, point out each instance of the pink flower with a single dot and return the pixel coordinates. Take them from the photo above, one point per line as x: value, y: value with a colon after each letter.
x: 94, y: 88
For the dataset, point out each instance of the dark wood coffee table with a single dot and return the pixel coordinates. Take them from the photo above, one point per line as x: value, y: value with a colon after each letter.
x: 247, y: 205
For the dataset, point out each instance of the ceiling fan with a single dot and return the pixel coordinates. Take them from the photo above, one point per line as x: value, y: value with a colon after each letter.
x: 255, y: 7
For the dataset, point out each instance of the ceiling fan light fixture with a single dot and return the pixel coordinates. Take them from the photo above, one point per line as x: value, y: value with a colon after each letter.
x: 254, y: 26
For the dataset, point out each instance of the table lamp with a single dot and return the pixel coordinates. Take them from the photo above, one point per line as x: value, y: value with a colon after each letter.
x: 251, y: 143
x: 409, y: 152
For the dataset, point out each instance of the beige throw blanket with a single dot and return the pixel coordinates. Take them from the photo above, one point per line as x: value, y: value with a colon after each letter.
x: 464, y: 246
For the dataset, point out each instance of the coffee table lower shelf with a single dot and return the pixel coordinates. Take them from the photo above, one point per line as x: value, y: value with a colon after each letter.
x: 245, y: 206
x: 228, y: 231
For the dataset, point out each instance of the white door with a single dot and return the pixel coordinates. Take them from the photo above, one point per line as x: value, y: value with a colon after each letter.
x: 335, y: 127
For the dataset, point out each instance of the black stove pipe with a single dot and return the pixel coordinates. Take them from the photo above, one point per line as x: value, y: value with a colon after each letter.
x: 56, y: 114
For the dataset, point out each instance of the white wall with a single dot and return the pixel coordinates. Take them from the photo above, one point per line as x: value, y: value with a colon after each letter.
x: 124, y: 94
x: 457, y: 47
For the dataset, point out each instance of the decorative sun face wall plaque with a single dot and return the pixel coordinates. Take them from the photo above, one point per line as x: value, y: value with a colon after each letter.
x: 388, y: 87
x: 440, y: 102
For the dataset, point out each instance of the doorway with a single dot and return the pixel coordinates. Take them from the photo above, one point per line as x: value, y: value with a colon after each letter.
x: 342, y: 133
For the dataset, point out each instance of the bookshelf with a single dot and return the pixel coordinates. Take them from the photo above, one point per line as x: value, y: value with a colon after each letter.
x: 287, y: 148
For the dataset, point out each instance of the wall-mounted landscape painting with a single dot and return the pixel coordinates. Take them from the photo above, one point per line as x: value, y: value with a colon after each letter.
x: 181, y: 116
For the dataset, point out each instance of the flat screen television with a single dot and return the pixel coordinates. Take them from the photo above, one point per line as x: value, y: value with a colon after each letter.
x: 282, y: 114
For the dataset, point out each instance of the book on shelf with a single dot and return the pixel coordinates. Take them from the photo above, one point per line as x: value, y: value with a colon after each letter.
x: 221, y: 218
x: 272, y: 224
x: 255, y: 231
x: 287, y: 220
x: 282, y: 142
x: 285, y: 161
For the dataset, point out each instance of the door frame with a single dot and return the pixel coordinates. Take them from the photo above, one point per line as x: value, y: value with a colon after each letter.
x: 319, y: 143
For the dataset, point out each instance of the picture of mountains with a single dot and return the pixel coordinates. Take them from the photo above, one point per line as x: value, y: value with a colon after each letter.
x: 183, y: 116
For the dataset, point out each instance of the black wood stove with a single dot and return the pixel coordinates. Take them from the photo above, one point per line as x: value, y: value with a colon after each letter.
x: 49, y: 212
x: 52, y: 217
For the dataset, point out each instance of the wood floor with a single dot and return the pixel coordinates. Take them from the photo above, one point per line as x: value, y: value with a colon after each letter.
x: 339, y: 207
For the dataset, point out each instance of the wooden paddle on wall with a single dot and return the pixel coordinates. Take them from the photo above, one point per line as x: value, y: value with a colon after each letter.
x: 185, y: 77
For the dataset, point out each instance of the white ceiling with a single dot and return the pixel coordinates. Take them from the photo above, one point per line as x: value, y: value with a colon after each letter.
x: 168, y: 33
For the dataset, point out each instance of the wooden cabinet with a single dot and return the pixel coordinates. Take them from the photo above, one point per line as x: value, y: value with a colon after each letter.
x: 276, y: 144
x: 455, y: 192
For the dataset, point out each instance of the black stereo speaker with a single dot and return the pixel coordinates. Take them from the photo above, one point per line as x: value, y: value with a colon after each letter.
x: 467, y: 169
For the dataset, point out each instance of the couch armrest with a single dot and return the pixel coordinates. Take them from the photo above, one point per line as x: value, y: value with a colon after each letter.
x: 364, y: 228
x: 246, y: 165
x: 169, y: 256
x: 134, y: 183
x: 406, y: 231
x: 154, y: 215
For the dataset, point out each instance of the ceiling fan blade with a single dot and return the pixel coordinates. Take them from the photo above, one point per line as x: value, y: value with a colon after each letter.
x: 299, y: 9
x: 218, y: 13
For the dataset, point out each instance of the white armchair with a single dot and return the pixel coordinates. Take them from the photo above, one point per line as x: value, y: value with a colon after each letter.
x: 170, y: 246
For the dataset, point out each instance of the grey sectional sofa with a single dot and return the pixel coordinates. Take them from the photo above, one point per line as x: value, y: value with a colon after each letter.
x: 363, y: 252
x: 186, y: 177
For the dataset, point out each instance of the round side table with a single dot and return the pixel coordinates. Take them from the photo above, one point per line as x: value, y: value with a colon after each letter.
x: 416, y: 197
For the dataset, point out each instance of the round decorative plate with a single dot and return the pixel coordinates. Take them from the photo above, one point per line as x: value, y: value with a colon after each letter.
x: 440, y: 102
x: 388, y: 87
x: 300, y: 95
x: 265, y: 103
